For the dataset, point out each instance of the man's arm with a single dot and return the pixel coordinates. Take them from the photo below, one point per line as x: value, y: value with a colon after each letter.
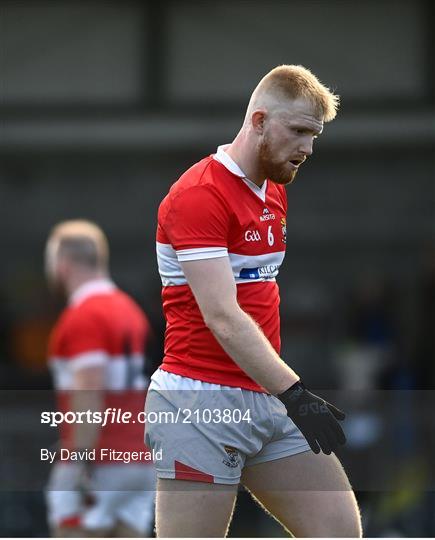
x: 214, y: 288
x: 87, y: 394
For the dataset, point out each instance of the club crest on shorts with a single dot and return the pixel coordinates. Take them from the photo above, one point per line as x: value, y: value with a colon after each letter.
x: 233, y: 457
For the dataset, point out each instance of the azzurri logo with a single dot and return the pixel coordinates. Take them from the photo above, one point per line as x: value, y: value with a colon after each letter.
x: 267, y: 215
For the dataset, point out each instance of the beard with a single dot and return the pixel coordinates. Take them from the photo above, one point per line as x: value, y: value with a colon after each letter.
x: 276, y: 171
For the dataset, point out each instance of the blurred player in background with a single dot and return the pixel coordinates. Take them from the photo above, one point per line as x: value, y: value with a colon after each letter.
x: 96, y: 355
x: 221, y: 239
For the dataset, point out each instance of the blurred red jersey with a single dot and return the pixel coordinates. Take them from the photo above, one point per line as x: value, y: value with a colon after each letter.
x: 102, y: 326
x: 213, y: 210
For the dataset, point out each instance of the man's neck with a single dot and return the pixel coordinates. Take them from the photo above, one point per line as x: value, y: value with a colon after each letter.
x: 244, y: 153
x: 81, y: 279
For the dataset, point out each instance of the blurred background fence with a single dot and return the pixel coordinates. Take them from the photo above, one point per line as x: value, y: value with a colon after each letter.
x: 104, y: 104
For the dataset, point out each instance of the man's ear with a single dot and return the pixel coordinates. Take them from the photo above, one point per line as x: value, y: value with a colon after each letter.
x: 63, y: 267
x: 258, y: 117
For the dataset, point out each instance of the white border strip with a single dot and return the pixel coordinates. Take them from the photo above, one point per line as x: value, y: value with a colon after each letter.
x: 195, y: 254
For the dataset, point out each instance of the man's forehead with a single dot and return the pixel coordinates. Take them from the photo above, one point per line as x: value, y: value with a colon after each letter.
x: 302, y: 111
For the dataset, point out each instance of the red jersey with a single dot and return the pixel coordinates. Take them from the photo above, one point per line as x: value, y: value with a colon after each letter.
x: 213, y: 210
x: 103, y: 326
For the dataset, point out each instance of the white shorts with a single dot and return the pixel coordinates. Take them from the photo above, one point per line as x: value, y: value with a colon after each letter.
x: 122, y: 493
x: 208, y: 432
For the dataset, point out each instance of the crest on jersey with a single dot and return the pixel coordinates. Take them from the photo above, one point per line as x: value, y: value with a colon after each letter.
x: 232, y: 459
x: 284, y: 230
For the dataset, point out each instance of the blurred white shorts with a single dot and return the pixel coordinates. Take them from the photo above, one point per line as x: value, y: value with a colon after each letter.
x: 124, y: 493
x: 209, y: 432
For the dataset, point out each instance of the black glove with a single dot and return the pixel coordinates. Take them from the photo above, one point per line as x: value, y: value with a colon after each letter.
x: 315, y: 417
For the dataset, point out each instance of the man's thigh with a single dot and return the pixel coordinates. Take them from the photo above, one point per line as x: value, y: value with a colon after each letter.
x: 193, y: 509
x: 308, y: 494
x: 58, y: 531
x: 121, y: 530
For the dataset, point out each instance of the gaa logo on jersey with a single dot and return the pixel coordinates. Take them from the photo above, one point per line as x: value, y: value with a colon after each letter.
x: 252, y: 236
x: 284, y: 229
x: 267, y: 215
x: 233, y: 457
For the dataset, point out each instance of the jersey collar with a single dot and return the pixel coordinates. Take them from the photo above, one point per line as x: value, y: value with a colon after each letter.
x: 222, y: 156
x: 90, y: 288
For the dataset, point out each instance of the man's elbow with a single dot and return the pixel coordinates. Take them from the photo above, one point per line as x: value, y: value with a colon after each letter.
x: 219, y: 319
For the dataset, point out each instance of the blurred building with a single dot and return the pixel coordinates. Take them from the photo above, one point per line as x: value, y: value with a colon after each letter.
x: 104, y: 104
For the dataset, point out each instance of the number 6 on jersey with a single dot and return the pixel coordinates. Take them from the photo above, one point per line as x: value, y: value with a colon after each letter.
x: 270, y: 237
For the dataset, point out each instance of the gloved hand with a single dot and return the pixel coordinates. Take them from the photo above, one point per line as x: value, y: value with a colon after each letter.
x: 316, y: 418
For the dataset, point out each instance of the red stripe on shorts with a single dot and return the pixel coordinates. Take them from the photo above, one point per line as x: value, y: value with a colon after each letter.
x: 184, y: 472
x: 72, y: 521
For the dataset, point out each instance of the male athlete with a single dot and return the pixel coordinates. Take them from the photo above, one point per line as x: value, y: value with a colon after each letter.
x: 221, y: 239
x: 96, y: 356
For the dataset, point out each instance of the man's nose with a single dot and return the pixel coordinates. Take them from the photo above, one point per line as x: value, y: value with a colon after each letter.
x: 306, y: 147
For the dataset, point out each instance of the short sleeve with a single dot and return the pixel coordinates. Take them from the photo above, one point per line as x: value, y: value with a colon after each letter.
x: 84, y: 343
x: 197, y: 218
